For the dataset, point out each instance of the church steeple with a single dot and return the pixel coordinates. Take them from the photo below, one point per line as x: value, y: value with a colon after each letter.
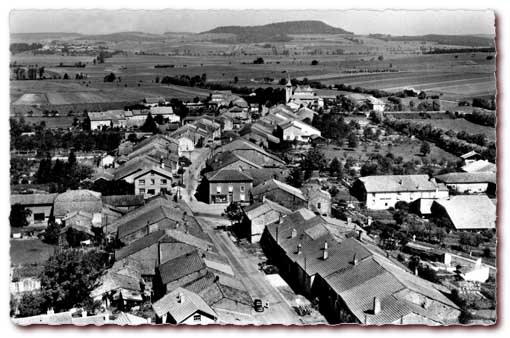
x: 288, y: 90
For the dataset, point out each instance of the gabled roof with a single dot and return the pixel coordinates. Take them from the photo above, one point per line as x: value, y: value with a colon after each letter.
x: 129, y: 319
x: 399, y: 183
x: 180, y: 267
x: 157, y: 170
x: 474, y: 177
x: 222, y: 160
x: 227, y: 175
x: 181, y: 304
x: 470, y: 154
x: 242, y: 144
x: 107, y: 115
x: 164, y: 214
x: 272, y: 184
x: 189, y: 239
x: 469, y: 211
x: 139, y: 244
x: 166, y: 110
x: 479, y: 166
x: 261, y: 208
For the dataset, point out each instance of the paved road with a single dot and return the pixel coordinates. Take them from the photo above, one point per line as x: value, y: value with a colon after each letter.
x: 255, y: 281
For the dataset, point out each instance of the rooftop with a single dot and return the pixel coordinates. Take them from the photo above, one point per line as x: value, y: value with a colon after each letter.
x: 181, y: 304
x: 470, y: 211
x: 399, y: 183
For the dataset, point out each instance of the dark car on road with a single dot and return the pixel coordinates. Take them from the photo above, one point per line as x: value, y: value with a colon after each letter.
x: 257, y: 304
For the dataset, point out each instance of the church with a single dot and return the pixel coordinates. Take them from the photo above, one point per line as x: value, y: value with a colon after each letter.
x: 301, y: 96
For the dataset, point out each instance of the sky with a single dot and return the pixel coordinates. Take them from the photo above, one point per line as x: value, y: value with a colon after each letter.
x: 395, y: 22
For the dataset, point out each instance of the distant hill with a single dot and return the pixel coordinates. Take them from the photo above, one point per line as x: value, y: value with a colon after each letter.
x: 123, y: 36
x: 279, y: 31
x: 455, y: 40
x: 28, y: 37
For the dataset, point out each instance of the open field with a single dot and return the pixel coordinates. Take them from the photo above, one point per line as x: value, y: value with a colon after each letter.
x: 461, y: 125
x: 341, y: 60
x: 30, y: 251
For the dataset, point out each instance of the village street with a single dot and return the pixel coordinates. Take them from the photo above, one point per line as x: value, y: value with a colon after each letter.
x: 280, y: 310
x: 245, y: 265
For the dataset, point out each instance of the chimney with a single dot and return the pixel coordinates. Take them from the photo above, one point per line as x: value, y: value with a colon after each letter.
x: 447, y: 259
x: 355, y: 260
x: 400, y: 181
x: 478, y: 263
x: 299, y: 249
x: 377, y: 305
x: 180, y: 298
x: 325, y: 253
x: 293, y: 233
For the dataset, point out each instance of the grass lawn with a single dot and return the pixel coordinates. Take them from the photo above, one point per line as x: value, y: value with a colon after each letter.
x: 30, y: 251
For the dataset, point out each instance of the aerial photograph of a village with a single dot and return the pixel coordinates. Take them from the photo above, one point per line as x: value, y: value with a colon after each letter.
x: 252, y: 167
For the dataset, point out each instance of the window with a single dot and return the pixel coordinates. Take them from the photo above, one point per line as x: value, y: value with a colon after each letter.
x: 230, y: 188
x: 39, y: 216
x: 218, y: 189
x: 142, y: 191
x: 163, y: 181
x: 318, y: 205
x: 151, y: 191
x: 141, y: 182
x: 153, y: 181
x: 197, y: 317
x: 241, y: 188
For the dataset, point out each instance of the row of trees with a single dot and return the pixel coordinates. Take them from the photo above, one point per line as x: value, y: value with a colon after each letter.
x: 48, y: 140
x: 65, y: 175
x: 457, y: 143
x: 484, y: 119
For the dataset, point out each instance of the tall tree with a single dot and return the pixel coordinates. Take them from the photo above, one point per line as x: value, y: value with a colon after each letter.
x: 69, y: 276
x: 19, y: 216
x: 150, y: 125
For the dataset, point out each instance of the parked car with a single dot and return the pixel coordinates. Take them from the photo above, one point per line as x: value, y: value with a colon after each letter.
x: 257, y: 305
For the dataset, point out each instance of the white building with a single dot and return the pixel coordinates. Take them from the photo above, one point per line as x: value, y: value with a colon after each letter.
x: 298, y: 130
x: 381, y: 192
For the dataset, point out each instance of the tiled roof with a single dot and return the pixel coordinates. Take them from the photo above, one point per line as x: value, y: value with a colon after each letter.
x: 75, y: 200
x: 242, y: 144
x: 189, y: 239
x: 123, y: 200
x: 129, y: 319
x: 227, y: 175
x: 399, y: 183
x: 474, y: 177
x: 260, y: 208
x: 139, y: 244
x: 273, y: 184
x: 164, y: 213
x: 33, y: 199
x: 479, y: 166
x: 190, y: 304
x: 222, y: 160
x: 46, y: 319
x: 180, y: 267
x: 469, y: 211
x: 107, y: 115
